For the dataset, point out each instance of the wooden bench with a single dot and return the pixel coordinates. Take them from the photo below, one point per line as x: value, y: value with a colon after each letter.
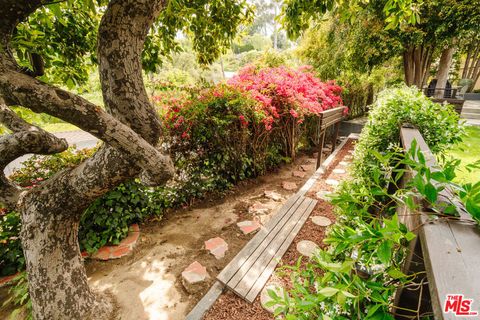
x: 248, y: 272
x: 327, y: 119
x: 448, y: 248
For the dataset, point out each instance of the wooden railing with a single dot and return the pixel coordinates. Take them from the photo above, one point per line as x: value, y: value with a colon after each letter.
x: 448, y: 248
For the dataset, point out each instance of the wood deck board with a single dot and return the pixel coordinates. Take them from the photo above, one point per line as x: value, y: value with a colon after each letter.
x: 260, y: 251
x: 247, y: 277
x: 206, y: 302
x: 267, y: 272
x: 229, y: 271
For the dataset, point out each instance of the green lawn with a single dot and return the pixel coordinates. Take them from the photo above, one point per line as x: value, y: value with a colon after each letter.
x: 468, y: 151
x: 58, y: 127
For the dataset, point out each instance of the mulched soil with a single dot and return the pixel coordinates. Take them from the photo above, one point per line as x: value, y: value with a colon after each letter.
x: 230, y: 306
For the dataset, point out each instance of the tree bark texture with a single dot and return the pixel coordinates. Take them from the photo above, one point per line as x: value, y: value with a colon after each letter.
x: 416, y: 63
x: 129, y: 127
x: 443, y: 70
x: 471, y: 68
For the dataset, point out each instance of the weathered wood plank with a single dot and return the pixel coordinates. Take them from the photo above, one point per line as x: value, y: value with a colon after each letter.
x: 450, y: 248
x: 267, y: 272
x: 248, y: 274
x: 206, y: 302
x: 229, y: 271
x: 267, y: 246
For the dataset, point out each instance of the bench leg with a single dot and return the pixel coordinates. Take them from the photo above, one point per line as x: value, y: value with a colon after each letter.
x: 320, y: 149
x: 335, y: 136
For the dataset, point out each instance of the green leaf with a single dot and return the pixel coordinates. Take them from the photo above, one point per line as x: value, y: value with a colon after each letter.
x: 431, y: 193
x: 396, y: 273
x: 328, y: 291
x: 384, y: 251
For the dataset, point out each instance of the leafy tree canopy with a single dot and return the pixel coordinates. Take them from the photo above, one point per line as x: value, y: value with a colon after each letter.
x: 64, y: 34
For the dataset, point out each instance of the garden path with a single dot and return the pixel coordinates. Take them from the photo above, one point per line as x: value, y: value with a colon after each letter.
x: 230, y: 306
x: 148, y: 284
x: 471, y: 112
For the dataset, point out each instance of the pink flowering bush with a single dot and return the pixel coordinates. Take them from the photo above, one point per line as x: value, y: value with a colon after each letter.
x: 287, y: 96
x: 217, y: 133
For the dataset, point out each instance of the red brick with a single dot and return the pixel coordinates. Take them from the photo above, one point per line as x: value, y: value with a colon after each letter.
x: 131, y: 240
x: 120, y: 251
x: 103, y: 253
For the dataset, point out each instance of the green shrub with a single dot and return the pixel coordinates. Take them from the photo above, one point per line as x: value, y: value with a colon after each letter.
x: 11, y: 253
x: 359, y: 273
x: 107, y: 220
x: 437, y: 123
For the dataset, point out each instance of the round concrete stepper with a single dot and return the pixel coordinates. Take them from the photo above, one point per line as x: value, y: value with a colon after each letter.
x: 332, y: 182
x: 290, y: 186
x: 323, y: 195
x: 265, y: 297
x: 344, y: 163
x: 307, y: 248
x: 339, y: 171
x: 321, y: 221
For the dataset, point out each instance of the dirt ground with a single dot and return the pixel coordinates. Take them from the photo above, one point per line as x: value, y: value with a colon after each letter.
x: 147, y: 284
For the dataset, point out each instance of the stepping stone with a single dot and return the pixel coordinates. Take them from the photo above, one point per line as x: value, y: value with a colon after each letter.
x: 323, y: 195
x: 248, y: 226
x: 298, y: 174
x: 275, y: 196
x: 348, y: 157
x: 332, y: 182
x: 265, y: 297
x: 258, y: 208
x: 339, y: 171
x: 195, y: 273
x: 321, y: 221
x: 217, y: 247
x: 307, y: 248
x: 344, y: 163
x: 193, y: 278
x: 290, y: 186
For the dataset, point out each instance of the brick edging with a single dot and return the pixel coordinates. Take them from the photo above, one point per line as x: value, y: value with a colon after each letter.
x: 124, y: 248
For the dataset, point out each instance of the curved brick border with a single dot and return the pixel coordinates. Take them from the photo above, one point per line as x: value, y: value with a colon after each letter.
x: 6, y: 279
x: 124, y: 248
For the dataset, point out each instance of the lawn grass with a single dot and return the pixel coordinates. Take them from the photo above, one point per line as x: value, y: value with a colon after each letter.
x: 58, y: 127
x: 468, y: 151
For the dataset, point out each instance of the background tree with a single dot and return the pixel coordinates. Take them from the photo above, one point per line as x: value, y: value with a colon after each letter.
x: 129, y: 127
x: 424, y: 29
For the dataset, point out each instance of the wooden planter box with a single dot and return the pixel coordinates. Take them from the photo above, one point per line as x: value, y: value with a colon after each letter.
x: 447, y: 249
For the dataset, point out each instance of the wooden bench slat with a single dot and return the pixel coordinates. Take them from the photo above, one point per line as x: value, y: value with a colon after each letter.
x: 266, y: 252
x: 330, y: 122
x: 229, y: 271
x: 262, y: 280
x: 266, y: 243
x: 328, y: 112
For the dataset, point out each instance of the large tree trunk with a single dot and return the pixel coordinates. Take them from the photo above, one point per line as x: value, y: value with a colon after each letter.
x: 471, y: 69
x: 416, y: 63
x: 443, y: 70
x: 57, y: 280
x: 51, y: 212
